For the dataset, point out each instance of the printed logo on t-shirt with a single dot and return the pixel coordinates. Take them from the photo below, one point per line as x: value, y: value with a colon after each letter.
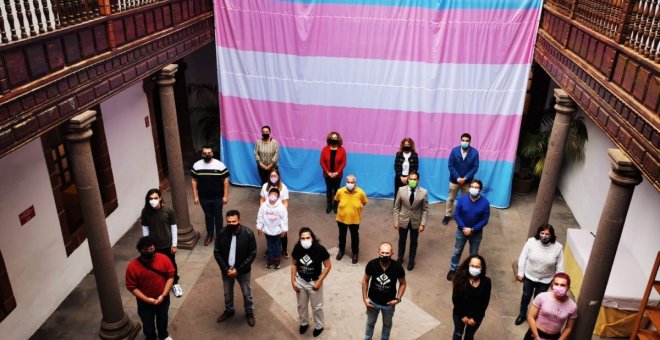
x: 306, y: 260
x: 383, y: 280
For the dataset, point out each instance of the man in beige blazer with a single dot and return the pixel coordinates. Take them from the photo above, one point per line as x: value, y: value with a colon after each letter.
x: 411, y: 207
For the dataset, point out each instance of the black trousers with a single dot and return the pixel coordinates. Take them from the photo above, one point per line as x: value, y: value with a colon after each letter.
x: 331, y: 187
x: 148, y: 313
x: 542, y: 334
x: 355, y: 237
x: 168, y: 252
x: 263, y: 174
x: 403, y: 238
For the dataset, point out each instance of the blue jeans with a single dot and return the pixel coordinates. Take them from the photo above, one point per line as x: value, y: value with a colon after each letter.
x: 460, y: 328
x: 372, y: 317
x: 274, y: 245
x: 530, y: 288
x: 212, y: 215
x: 148, y: 313
x: 461, y: 239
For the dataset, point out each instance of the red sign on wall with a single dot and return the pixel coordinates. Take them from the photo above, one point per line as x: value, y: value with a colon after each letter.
x: 146, y: 121
x: 27, y: 215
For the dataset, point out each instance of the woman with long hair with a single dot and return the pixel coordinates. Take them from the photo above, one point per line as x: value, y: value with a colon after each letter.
x: 551, y: 310
x: 471, y: 295
x: 405, y: 161
x: 333, y: 162
x: 275, y: 181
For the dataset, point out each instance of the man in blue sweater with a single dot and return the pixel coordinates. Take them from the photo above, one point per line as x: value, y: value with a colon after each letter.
x: 463, y: 164
x: 472, y: 214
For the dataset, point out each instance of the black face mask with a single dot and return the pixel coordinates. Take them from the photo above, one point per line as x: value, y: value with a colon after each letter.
x: 147, y: 256
x: 265, y: 135
x: 407, y: 149
x: 207, y: 158
x: 332, y: 142
x: 233, y: 227
x: 385, y: 259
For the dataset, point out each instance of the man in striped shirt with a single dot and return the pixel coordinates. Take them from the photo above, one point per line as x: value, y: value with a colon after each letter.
x: 210, y: 188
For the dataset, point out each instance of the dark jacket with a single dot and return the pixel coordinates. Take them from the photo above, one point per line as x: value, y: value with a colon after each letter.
x: 246, y: 250
x: 473, y: 302
x: 459, y: 167
x: 398, y: 163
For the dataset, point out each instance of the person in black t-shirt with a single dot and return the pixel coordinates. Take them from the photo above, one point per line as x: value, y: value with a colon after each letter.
x: 470, y: 296
x: 311, y: 264
x: 380, y: 278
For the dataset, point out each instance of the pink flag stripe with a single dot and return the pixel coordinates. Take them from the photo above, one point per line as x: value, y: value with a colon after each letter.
x: 379, y: 32
x: 369, y: 131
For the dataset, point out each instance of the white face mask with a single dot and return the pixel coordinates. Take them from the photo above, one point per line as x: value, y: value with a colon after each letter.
x: 274, y: 179
x: 273, y: 198
x: 350, y: 186
x: 154, y: 203
x: 474, y: 192
x: 474, y: 271
x: 306, y: 243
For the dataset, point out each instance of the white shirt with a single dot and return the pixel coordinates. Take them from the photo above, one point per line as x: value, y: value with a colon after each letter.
x: 231, y: 261
x: 464, y: 153
x: 284, y: 193
x: 272, y: 219
x: 539, y: 262
x: 405, y: 167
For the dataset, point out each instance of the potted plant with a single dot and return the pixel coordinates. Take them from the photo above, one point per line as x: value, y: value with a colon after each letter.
x: 533, y: 146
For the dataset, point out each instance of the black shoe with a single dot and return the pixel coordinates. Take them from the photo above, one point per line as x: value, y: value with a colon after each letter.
x: 250, y: 319
x: 411, y: 264
x: 328, y: 209
x: 450, y: 275
x: 224, y: 316
x: 445, y: 220
x: 520, y: 319
x: 317, y: 332
x: 303, y: 329
x: 340, y: 255
x: 355, y: 259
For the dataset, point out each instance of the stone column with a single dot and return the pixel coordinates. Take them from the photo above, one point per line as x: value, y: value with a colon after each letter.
x: 625, y: 177
x: 187, y: 236
x: 114, y: 324
x: 565, y: 108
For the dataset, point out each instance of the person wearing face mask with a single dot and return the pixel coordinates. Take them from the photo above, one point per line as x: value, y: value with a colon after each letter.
x: 266, y: 153
x: 541, y: 258
x: 149, y: 278
x: 470, y: 296
x: 210, y: 189
x: 310, y: 265
x: 333, y: 161
x: 472, y: 214
x: 411, y: 207
x: 235, y: 250
x: 379, y: 292
x: 463, y: 164
x: 273, y: 222
x: 159, y: 222
x: 275, y: 181
x: 350, y: 201
x: 405, y: 161
x: 551, y: 310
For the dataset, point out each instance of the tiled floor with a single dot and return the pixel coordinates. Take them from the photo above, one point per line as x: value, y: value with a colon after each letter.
x: 425, y: 313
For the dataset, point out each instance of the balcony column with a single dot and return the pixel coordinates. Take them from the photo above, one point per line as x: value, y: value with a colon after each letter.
x: 624, y: 176
x: 114, y: 324
x: 565, y: 108
x: 187, y: 236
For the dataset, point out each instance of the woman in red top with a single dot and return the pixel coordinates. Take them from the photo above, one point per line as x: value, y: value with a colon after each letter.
x: 333, y: 161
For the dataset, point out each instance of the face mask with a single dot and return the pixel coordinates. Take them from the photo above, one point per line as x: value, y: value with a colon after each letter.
x: 407, y: 149
x: 273, y: 198
x: 154, y: 203
x: 350, y: 186
x: 233, y: 227
x: 265, y: 135
x: 559, y: 290
x: 545, y: 239
x: 465, y: 145
x: 147, y: 255
x: 474, y: 192
x: 306, y: 243
x: 412, y: 183
x: 333, y: 142
x: 208, y: 158
x: 385, y: 259
x: 474, y: 271
x: 274, y: 179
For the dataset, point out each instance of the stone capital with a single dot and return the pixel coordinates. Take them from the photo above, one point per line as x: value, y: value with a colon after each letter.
x: 564, y: 103
x: 78, y: 128
x: 166, y: 75
x: 623, y: 170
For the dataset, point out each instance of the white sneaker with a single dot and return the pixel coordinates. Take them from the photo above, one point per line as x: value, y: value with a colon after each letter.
x: 178, y: 292
x: 169, y: 337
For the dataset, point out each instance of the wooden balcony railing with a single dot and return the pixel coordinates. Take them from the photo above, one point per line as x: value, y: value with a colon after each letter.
x: 633, y: 23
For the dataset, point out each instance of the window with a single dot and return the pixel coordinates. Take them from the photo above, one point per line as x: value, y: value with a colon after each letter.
x: 7, y: 301
x: 62, y: 179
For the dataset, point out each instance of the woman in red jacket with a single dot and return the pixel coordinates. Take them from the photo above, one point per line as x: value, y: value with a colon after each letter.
x: 333, y: 161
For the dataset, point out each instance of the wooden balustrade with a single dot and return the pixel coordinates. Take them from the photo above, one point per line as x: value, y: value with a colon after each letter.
x: 601, y: 16
x: 123, y: 5
x: 562, y: 6
x: 641, y: 31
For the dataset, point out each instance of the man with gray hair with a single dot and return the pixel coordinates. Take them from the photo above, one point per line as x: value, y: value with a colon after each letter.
x: 350, y: 201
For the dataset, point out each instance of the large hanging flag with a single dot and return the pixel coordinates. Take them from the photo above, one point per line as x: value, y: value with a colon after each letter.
x: 376, y: 71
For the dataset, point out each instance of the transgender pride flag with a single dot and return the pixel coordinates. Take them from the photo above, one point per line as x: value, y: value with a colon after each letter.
x: 376, y: 71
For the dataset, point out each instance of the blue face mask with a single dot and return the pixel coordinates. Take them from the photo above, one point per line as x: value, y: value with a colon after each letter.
x: 465, y: 145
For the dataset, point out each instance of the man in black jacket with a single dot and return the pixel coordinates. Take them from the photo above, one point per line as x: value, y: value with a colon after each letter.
x: 235, y: 250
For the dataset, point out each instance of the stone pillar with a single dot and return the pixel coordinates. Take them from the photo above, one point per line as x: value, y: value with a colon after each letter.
x: 187, y: 236
x: 114, y: 324
x: 565, y: 108
x: 624, y: 178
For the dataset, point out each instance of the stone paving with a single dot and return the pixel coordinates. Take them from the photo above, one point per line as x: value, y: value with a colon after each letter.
x: 424, y: 314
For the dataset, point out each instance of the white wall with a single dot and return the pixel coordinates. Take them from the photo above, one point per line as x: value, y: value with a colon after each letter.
x: 40, y: 273
x: 584, y: 187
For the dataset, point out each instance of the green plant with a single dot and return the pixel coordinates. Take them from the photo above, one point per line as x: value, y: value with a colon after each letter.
x: 533, y: 145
